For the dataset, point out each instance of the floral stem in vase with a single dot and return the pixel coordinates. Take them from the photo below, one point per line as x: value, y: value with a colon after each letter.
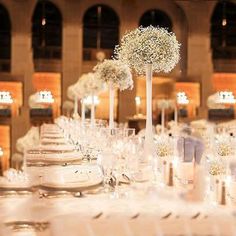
x: 92, y: 118
x: 148, y: 144
x: 162, y: 120
x: 111, y: 108
x: 83, y: 111
x: 75, y: 114
x: 176, y: 116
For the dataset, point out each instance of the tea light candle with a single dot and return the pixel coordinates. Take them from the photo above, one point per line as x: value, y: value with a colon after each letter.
x: 185, y: 171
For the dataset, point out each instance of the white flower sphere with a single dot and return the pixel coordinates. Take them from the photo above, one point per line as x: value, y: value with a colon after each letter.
x: 115, y: 73
x: 88, y: 84
x: 150, y: 45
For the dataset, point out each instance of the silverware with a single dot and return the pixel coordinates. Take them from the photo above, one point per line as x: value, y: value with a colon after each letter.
x: 166, y: 216
x: 21, y: 225
x: 196, y: 216
x: 126, y: 178
x: 98, y: 215
x: 112, y: 181
x: 135, y: 216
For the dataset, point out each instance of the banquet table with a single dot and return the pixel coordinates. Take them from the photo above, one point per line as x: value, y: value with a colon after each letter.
x: 152, y: 213
x: 53, y: 205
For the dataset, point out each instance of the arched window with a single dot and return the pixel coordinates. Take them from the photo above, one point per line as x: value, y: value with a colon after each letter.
x: 223, y: 30
x: 100, y: 29
x: 5, y: 39
x: 156, y: 17
x: 46, y: 31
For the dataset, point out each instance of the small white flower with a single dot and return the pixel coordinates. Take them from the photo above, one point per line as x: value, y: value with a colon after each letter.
x: 165, y: 103
x: 115, y: 73
x: 87, y: 85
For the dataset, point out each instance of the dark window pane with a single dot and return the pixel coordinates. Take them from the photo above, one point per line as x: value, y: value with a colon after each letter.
x: 156, y: 18
x: 5, y: 37
x: 100, y: 28
x: 223, y: 37
x: 47, y: 39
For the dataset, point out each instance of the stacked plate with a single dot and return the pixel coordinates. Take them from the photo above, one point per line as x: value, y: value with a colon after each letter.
x: 52, y: 154
x: 71, y: 178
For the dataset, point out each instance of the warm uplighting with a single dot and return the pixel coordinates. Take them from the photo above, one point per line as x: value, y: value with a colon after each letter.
x: 182, y: 98
x: 226, y: 97
x: 138, y: 101
x: 45, y: 97
x: 5, y: 97
x: 1, y: 152
x: 224, y: 22
x: 88, y: 100
x: 43, y: 21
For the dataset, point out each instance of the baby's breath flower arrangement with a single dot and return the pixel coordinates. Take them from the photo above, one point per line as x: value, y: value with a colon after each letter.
x: 217, y: 168
x: 224, y: 149
x: 87, y: 85
x: 148, y: 50
x: 164, y: 149
x: 117, y: 75
x: 90, y: 85
x: 164, y: 104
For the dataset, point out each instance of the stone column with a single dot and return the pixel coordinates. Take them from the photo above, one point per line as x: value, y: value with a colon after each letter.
x: 21, y: 63
x: 126, y: 98
x: 72, y: 46
x: 199, y: 58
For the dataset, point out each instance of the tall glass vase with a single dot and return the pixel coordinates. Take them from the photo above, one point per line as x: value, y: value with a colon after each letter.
x: 82, y: 111
x: 111, y: 107
x: 148, y: 143
x: 176, y: 115
x: 75, y: 113
x: 92, y: 118
x: 162, y: 120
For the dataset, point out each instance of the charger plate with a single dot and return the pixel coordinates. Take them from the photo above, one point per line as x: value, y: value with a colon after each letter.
x: 75, y: 189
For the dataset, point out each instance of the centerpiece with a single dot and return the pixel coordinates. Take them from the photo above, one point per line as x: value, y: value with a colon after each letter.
x: 88, y: 85
x: 116, y: 75
x: 148, y: 50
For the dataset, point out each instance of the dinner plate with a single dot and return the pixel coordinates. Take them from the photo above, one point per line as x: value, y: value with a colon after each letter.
x: 72, y: 178
x: 15, y: 187
x: 54, y: 157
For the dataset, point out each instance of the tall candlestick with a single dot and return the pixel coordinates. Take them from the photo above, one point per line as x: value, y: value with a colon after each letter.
x: 223, y: 194
x: 171, y: 175
x: 92, y: 118
x: 111, y: 109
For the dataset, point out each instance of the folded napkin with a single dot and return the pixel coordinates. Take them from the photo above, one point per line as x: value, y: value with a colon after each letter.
x: 191, y: 148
